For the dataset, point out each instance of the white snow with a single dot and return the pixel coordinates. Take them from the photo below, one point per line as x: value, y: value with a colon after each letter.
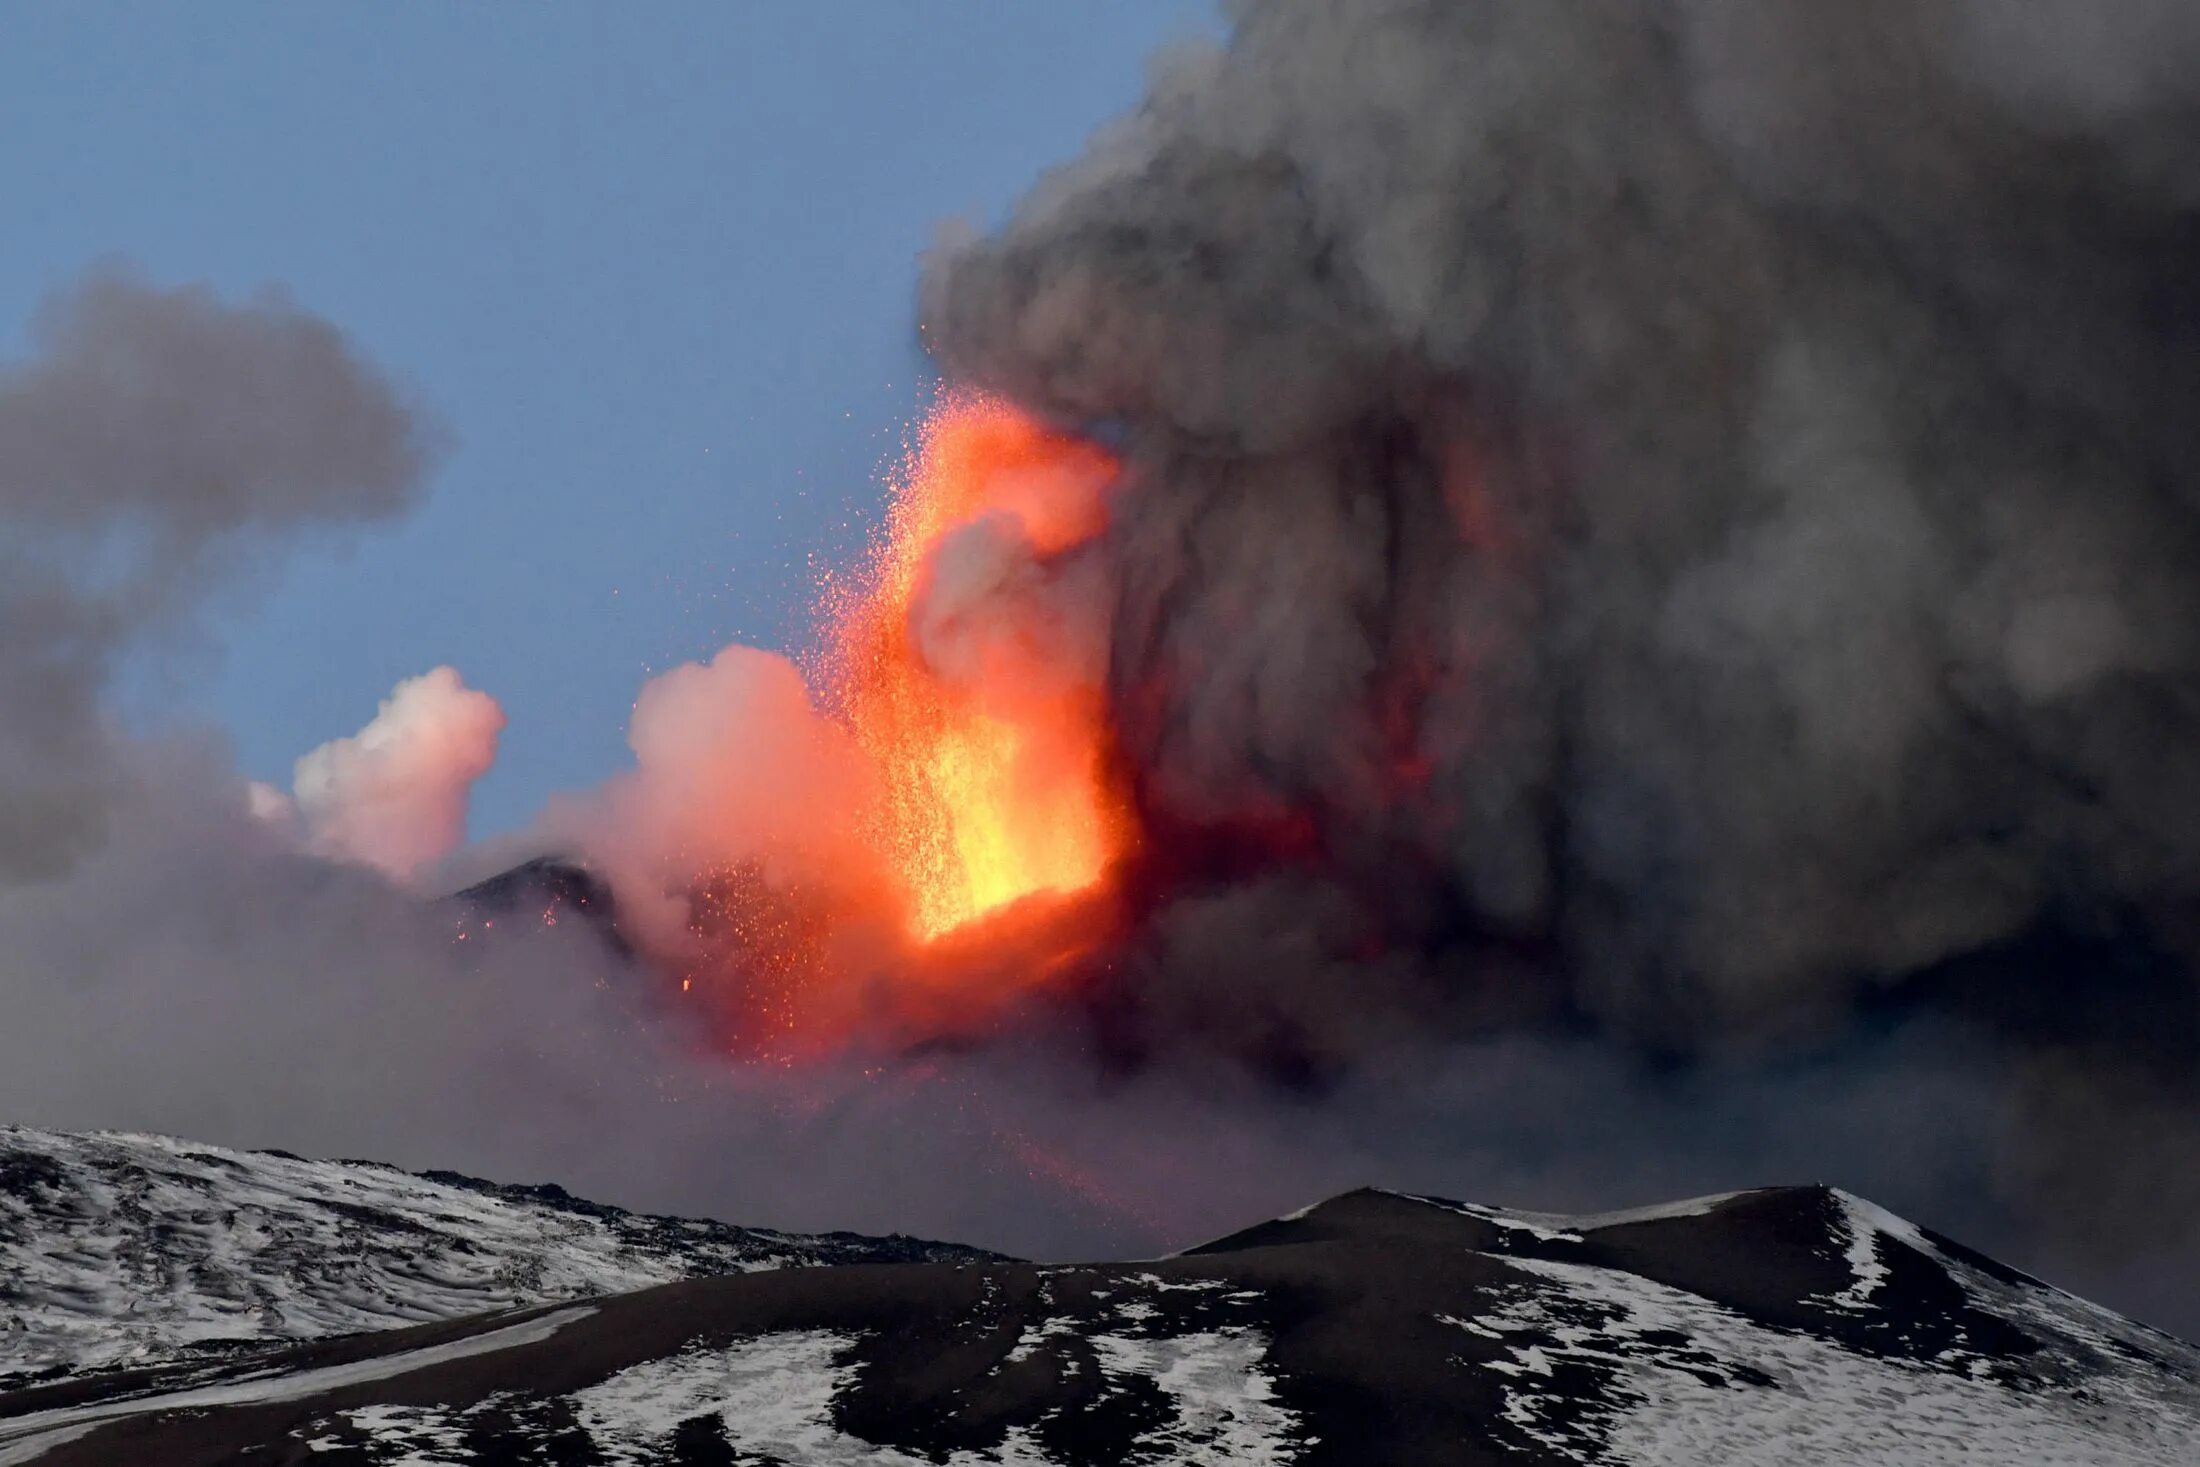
x: 426, y: 1436
x: 1865, y: 1222
x: 1035, y: 1335
x: 1226, y: 1410
x: 1826, y: 1405
x: 255, y: 1247
x: 1560, y: 1227
x: 26, y: 1438
x: 774, y: 1396
x: 1155, y: 1283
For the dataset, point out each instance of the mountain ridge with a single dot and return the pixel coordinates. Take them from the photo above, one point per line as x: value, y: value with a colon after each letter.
x: 1772, y: 1325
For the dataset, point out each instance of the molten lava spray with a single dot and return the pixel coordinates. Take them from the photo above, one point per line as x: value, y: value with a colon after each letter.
x: 956, y: 662
x: 810, y: 850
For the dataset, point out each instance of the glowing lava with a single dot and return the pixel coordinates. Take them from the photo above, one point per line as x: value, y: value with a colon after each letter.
x: 985, y: 728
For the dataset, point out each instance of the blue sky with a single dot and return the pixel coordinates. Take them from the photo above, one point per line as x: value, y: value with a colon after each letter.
x: 652, y: 266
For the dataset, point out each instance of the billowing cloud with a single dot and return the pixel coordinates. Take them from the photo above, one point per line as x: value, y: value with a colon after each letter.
x: 393, y: 795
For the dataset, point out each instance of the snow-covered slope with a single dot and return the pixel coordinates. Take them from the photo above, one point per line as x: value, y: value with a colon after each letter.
x: 1791, y: 1326
x: 140, y: 1250
x: 1604, y: 1363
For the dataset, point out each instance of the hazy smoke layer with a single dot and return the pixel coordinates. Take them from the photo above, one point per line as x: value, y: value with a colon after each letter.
x: 1697, y: 502
x: 156, y: 444
x: 393, y: 795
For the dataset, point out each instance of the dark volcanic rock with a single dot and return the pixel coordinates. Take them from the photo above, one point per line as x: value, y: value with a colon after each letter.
x: 547, y: 890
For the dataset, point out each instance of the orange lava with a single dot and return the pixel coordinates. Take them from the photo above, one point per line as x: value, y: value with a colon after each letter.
x: 992, y: 773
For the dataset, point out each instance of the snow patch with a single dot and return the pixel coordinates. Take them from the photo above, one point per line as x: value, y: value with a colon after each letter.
x: 773, y: 1397
x: 1865, y: 1223
x: 1035, y: 1335
x: 1226, y: 1408
x: 1560, y: 1227
x: 404, y: 1436
x: 1682, y: 1380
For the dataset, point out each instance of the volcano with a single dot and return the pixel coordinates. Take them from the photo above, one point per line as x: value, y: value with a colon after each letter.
x: 1374, y: 1328
x: 546, y: 889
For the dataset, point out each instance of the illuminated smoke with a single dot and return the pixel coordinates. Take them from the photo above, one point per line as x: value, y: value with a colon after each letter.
x: 922, y: 827
x: 735, y: 768
x: 393, y: 795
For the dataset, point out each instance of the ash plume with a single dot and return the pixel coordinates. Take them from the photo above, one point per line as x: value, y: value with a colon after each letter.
x: 1693, y: 505
x: 1742, y: 457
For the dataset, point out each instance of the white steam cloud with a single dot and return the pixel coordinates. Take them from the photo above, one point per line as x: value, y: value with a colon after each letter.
x: 393, y: 796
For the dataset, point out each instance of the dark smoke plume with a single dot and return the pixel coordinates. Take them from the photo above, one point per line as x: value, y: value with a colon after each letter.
x: 1720, y: 492
x: 1693, y: 505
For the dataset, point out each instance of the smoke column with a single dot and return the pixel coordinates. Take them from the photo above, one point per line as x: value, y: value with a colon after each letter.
x: 1693, y: 504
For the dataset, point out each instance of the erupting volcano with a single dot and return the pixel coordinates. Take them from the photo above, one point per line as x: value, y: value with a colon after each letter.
x: 922, y: 822
x: 1564, y: 603
x: 985, y: 730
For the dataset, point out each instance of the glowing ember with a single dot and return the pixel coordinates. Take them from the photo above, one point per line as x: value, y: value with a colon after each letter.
x: 988, y: 744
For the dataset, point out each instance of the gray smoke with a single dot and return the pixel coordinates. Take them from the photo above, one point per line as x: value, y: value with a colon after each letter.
x: 157, y: 445
x: 1696, y: 502
x: 1743, y: 451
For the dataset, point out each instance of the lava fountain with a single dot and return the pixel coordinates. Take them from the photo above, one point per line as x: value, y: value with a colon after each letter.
x: 957, y: 660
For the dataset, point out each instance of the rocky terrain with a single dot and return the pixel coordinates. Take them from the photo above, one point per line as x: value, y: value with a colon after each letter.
x: 1799, y: 1325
